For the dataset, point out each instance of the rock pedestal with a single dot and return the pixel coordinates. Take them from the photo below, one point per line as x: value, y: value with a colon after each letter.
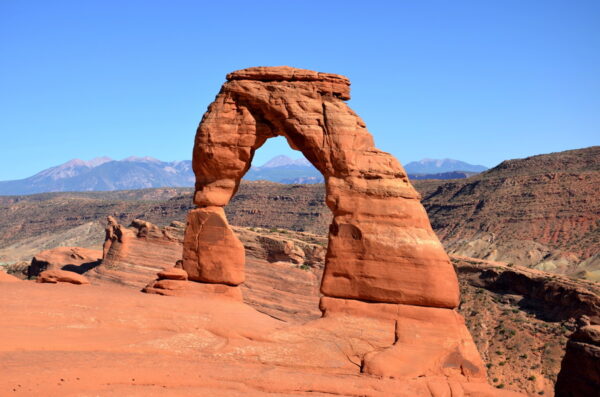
x: 211, y: 252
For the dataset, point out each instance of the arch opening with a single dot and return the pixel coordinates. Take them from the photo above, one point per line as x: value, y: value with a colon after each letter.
x: 282, y: 222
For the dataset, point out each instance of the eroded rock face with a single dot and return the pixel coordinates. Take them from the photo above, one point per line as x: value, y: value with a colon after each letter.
x: 381, y: 245
x: 427, y: 341
x: 211, y: 251
x: 580, y: 369
x: 73, y: 259
x: 133, y: 255
x: 383, y: 259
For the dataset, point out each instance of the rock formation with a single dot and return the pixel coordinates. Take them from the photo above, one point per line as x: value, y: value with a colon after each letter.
x: 580, y: 370
x: 383, y: 258
x: 556, y: 298
x: 54, y: 276
x: 74, y: 259
x: 381, y: 245
x: 539, y: 212
x: 174, y: 282
x: 133, y: 255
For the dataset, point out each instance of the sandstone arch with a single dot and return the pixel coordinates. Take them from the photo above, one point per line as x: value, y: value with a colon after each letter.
x: 381, y: 245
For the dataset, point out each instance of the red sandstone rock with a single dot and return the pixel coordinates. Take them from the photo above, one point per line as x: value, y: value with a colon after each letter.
x: 428, y: 341
x: 7, y: 278
x: 381, y: 245
x: 144, y: 344
x: 73, y: 259
x: 133, y: 255
x: 580, y: 369
x: 175, y: 287
x: 172, y: 273
x: 211, y: 251
x: 61, y: 276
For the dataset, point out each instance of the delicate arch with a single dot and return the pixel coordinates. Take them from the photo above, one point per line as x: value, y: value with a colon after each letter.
x: 381, y: 245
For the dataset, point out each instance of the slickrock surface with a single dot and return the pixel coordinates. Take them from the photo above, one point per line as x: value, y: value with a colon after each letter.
x: 283, y: 268
x: 580, y: 372
x: 54, y: 276
x: 7, y: 278
x: 519, y: 318
x: 73, y: 259
x: 109, y: 340
x: 542, y: 212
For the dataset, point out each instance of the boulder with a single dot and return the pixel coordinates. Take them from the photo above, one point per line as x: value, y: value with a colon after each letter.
x: 54, y: 276
x: 73, y: 259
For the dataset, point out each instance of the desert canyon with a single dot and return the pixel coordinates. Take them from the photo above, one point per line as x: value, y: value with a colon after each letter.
x: 356, y: 296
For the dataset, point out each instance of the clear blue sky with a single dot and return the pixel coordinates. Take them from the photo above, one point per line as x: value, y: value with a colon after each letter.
x: 479, y: 81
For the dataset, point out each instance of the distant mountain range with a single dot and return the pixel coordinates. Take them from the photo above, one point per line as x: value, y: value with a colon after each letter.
x: 433, y: 166
x: 105, y: 174
x: 283, y: 169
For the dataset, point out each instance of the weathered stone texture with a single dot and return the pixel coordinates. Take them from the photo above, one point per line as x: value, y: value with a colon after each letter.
x: 381, y: 245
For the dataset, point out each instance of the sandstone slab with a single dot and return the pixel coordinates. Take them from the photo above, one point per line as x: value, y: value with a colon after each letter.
x: 172, y: 273
x: 133, y: 255
x: 54, y: 276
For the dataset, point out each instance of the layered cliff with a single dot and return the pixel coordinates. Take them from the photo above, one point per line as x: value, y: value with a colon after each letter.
x: 541, y: 212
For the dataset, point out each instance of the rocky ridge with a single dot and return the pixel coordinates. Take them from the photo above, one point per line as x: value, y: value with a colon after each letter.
x: 539, y: 212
